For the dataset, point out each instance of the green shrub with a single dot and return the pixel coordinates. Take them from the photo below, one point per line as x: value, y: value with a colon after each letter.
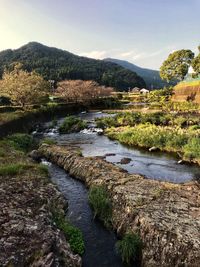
x: 11, y: 169
x: 72, y: 124
x: 101, y: 204
x: 72, y: 233
x: 19, y: 141
x: 192, y: 149
x: 129, y: 247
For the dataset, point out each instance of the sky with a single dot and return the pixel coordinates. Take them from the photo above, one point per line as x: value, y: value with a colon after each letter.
x: 142, y: 32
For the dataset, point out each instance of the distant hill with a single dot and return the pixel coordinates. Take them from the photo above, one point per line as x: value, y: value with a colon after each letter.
x: 56, y: 64
x: 151, y: 77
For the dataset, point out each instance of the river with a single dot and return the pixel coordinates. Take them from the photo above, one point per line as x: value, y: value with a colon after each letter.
x: 100, y: 248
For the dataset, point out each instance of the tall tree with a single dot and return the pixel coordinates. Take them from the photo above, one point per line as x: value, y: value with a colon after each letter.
x: 196, y: 63
x: 23, y: 87
x: 176, y: 65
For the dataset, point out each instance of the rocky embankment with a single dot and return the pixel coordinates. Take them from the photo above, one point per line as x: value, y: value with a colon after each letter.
x: 166, y: 215
x: 28, y: 236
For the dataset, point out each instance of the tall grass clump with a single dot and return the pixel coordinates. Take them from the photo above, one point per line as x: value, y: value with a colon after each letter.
x: 72, y: 124
x: 22, y: 142
x: 101, y: 204
x: 11, y: 169
x: 129, y: 247
x: 192, y: 149
x: 73, y: 234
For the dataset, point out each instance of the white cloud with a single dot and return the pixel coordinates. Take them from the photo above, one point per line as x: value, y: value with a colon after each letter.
x: 95, y: 54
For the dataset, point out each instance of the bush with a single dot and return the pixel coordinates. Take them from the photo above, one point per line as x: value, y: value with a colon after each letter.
x: 101, y: 204
x: 72, y: 124
x: 192, y: 149
x: 72, y: 233
x: 23, y: 142
x: 129, y: 247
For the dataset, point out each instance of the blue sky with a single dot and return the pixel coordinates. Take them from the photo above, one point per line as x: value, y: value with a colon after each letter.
x: 143, y: 32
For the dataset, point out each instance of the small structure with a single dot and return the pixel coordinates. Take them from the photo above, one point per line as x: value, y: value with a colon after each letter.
x: 135, y: 90
x: 144, y: 91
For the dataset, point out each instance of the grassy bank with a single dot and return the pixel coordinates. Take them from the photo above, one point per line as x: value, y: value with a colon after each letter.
x: 163, y: 131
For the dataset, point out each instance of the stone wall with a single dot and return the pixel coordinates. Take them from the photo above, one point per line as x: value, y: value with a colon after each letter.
x: 166, y: 215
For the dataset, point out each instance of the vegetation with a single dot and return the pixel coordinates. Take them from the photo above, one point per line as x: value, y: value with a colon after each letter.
x: 196, y: 63
x: 22, y: 87
x: 176, y: 65
x: 48, y: 141
x: 72, y: 124
x: 56, y: 64
x: 82, y: 91
x: 129, y: 247
x: 101, y: 204
x: 23, y: 142
x: 157, y: 118
x: 11, y: 169
x: 72, y: 233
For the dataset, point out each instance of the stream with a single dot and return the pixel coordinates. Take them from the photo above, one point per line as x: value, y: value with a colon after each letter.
x: 100, y: 248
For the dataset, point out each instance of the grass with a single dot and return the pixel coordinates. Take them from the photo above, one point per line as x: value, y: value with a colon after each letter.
x: 72, y: 233
x: 72, y: 124
x: 171, y: 139
x: 23, y: 142
x: 48, y: 141
x: 129, y: 247
x: 11, y: 169
x: 101, y: 204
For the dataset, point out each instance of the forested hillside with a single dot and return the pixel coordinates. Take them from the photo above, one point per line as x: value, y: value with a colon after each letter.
x: 57, y: 64
x: 151, y: 77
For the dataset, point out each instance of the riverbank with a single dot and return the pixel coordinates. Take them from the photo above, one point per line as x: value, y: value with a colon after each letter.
x: 165, y: 215
x: 158, y: 131
x: 31, y: 234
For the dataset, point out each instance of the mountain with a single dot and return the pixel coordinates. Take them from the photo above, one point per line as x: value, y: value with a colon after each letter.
x: 151, y: 77
x: 56, y: 64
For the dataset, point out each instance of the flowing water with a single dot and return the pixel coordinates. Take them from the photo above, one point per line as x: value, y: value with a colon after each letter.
x: 100, y: 243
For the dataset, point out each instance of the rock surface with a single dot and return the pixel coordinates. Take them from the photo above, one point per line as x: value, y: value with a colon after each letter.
x: 28, y: 236
x: 166, y: 215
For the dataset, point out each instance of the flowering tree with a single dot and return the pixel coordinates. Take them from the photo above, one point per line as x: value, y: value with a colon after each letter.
x: 23, y: 87
x: 82, y: 91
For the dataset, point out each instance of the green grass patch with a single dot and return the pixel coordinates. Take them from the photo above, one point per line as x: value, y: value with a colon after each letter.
x: 22, y: 142
x: 101, y: 204
x: 73, y: 234
x: 72, y: 124
x: 48, y: 141
x: 129, y: 248
x: 12, y: 169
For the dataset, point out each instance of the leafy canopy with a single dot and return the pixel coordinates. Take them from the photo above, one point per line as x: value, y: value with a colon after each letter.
x: 23, y: 87
x: 176, y: 65
x: 196, y: 63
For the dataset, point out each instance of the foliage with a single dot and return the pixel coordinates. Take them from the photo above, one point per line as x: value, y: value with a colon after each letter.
x: 185, y: 141
x: 73, y: 234
x: 23, y: 142
x: 56, y: 64
x: 176, y: 65
x: 82, y: 91
x: 196, y: 63
x: 101, y: 204
x: 22, y: 87
x: 72, y: 124
x: 157, y: 118
x: 129, y: 247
